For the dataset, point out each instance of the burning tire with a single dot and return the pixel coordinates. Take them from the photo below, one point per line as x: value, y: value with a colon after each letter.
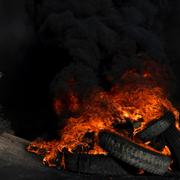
x: 172, y: 136
x: 156, y: 128
x: 134, y: 154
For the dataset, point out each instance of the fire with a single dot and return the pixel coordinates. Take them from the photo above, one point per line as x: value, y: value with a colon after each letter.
x: 58, y: 106
x: 166, y: 151
x: 137, y: 98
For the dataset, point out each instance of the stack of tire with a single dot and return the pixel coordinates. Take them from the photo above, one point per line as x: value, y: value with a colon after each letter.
x: 134, y: 154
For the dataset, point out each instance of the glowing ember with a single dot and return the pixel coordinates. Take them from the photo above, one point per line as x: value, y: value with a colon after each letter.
x: 166, y: 151
x: 138, y: 98
x: 58, y: 106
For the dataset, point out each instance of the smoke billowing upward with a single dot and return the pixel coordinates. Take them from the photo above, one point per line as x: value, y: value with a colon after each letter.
x: 104, y: 39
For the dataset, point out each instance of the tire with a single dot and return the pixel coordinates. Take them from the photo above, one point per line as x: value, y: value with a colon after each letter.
x: 156, y: 128
x: 172, y: 136
x: 134, y: 154
x: 94, y: 164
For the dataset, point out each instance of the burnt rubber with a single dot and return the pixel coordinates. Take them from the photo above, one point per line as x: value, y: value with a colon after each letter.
x: 93, y: 164
x: 156, y: 128
x: 172, y: 136
x: 133, y: 154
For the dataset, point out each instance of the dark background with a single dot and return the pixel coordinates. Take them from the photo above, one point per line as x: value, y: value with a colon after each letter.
x: 29, y: 66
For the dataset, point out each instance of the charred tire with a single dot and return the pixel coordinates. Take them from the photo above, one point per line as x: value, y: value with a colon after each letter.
x: 133, y: 154
x: 93, y: 164
x: 156, y: 128
x: 172, y: 136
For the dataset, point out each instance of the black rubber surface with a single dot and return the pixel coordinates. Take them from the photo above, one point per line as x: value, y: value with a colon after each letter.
x: 134, y: 154
x: 172, y: 136
x: 156, y: 128
x: 93, y: 164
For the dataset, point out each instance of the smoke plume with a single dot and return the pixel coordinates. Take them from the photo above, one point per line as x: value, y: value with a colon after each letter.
x: 104, y: 38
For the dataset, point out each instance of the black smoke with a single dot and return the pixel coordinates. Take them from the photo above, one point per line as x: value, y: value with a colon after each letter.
x: 91, y: 42
x: 103, y: 38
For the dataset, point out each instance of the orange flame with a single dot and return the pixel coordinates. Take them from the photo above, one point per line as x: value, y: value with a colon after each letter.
x: 166, y: 151
x: 137, y: 98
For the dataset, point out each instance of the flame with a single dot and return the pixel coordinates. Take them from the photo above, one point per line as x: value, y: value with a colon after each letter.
x: 166, y: 151
x: 147, y: 75
x: 74, y: 102
x: 58, y: 107
x: 138, y: 98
